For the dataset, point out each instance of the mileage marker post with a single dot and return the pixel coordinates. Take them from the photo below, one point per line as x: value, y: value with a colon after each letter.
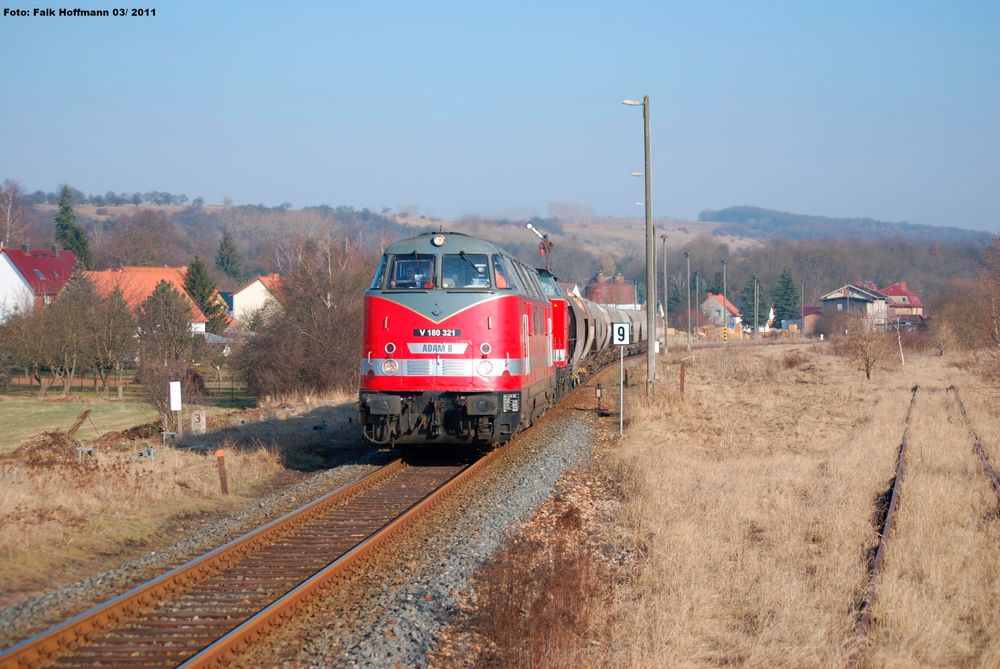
x: 620, y: 336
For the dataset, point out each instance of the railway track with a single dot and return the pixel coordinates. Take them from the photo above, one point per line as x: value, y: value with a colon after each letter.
x: 215, y: 605
x: 865, y: 619
x: 977, y: 445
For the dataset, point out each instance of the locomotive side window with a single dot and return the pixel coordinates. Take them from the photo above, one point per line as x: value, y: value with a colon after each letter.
x: 414, y: 270
x: 379, y: 274
x: 512, y: 273
x: 500, y: 278
x: 465, y: 270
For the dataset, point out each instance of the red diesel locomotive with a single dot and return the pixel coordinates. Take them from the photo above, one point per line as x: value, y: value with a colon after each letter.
x: 464, y: 343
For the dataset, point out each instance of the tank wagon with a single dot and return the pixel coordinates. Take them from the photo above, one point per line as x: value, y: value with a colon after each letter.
x: 464, y: 343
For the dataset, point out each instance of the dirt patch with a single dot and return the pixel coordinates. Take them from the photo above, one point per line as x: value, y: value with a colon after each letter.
x: 47, y: 448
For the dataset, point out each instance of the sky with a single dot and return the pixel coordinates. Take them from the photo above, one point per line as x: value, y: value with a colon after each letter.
x: 883, y: 109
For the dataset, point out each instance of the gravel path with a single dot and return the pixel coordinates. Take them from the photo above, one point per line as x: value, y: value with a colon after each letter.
x: 36, y: 614
x: 392, y: 611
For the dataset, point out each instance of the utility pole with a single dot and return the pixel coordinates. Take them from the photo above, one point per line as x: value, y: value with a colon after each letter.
x: 687, y: 257
x: 666, y: 296
x: 725, y: 307
x: 755, y: 309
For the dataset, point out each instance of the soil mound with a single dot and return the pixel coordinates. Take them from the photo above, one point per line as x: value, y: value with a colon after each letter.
x: 47, y: 448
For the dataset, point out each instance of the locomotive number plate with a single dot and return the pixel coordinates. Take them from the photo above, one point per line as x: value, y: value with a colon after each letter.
x: 436, y: 332
x: 445, y: 347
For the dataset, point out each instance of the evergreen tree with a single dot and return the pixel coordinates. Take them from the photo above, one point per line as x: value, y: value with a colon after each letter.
x: 786, y: 297
x: 69, y: 233
x: 746, y: 304
x: 201, y: 288
x: 227, y: 258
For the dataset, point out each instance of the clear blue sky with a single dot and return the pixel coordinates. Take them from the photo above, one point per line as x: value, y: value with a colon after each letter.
x: 882, y: 109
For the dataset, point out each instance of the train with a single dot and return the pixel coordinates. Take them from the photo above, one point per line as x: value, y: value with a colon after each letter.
x: 464, y: 343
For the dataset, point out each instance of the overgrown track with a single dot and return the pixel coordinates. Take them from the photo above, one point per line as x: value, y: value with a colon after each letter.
x: 865, y: 619
x: 977, y: 445
x: 215, y: 605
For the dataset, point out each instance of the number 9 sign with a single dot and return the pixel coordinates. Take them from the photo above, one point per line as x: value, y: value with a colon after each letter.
x: 620, y: 333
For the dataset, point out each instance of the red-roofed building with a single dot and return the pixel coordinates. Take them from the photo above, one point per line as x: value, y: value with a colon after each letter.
x: 904, y: 304
x: 31, y: 278
x: 614, y: 291
x: 720, y: 311
x: 138, y: 283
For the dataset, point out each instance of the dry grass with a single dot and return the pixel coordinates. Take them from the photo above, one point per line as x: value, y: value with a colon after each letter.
x: 58, y: 522
x: 746, y: 525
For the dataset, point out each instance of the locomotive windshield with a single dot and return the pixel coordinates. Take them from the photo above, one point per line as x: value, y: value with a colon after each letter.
x: 465, y: 270
x: 379, y: 275
x: 414, y: 270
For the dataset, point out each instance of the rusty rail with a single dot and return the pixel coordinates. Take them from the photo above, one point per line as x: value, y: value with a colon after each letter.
x: 865, y: 620
x: 977, y: 445
x: 126, y: 612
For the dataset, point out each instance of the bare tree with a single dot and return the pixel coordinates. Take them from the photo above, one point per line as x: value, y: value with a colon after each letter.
x: 114, y: 339
x: 13, y: 222
x: 866, y: 343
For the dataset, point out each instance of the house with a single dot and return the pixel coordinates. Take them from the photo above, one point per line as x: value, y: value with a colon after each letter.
x: 256, y: 295
x: 866, y: 300
x: 904, y: 304
x: 720, y: 311
x: 138, y: 283
x: 615, y: 292
x: 807, y: 323
x: 30, y: 279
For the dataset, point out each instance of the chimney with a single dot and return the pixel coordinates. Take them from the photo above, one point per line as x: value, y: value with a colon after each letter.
x: 55, y: 249
x: 26, y: 248
x: 902, y: 284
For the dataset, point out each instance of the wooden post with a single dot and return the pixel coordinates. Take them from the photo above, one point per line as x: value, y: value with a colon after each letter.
x: 683, y: 367
x: 220, y: 456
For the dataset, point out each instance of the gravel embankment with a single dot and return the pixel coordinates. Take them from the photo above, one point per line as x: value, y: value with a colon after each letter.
x: 36, y: 614
x: 391, y: 613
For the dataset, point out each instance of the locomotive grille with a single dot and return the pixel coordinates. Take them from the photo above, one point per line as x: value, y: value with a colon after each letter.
x: 419, y: 367
x: 455, y: 368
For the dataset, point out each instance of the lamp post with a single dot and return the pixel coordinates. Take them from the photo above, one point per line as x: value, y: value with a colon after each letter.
x: 725, y: 307
x: 687, y: 257
x: 650, y: 251
x: 666, y: 297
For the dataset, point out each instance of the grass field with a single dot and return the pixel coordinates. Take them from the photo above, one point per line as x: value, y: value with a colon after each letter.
x: 22, y: 416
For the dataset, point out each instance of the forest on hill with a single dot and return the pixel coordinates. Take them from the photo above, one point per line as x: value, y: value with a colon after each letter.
x: 259, y: 240
x: 767, y: 224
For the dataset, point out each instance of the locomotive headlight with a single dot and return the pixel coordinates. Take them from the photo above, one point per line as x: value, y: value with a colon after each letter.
x: 437, y: 240
x: 485, y: 348
x: 485, y: 368
x: 390, y: 348
x: 390, y: 367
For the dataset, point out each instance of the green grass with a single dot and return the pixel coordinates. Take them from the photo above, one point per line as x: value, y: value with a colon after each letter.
x: 22, y: 417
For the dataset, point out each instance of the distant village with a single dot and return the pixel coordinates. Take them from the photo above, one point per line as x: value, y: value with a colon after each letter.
x: 33, y: 278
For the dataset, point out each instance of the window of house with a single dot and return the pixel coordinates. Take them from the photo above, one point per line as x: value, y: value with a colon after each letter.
x: 39, y: 274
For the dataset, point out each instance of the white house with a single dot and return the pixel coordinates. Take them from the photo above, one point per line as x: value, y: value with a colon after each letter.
x: 251, y: 298
x: 31, y: 278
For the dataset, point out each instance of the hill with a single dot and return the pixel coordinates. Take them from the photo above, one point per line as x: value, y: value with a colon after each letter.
x: 767, y: 224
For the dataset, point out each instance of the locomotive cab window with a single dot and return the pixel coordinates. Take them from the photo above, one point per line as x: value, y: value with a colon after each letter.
x: 379, y: 274
x: 465, y: 270
x: 500, y: 275
x: 413, y: 271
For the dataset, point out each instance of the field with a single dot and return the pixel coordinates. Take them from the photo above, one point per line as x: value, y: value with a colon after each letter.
x: 22, y: 416
x: 743, y: 517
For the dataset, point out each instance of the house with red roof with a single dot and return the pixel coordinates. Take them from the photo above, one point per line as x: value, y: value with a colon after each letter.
x: 138, y: 283
x: 30, y: 279
x: 904, y: 304
x: 720, y: 311
x: 259, y: 294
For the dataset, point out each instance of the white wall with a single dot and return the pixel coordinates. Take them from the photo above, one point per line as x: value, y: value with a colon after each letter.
x: 16, y: 295
x: 249, y: 300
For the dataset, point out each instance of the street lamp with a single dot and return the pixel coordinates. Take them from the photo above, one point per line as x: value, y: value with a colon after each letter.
x: 687, y: 257
x: 666, y: 297
x: 650, y: 250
